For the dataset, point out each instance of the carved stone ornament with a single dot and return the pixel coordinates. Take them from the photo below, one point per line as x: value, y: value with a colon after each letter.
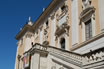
x: 52, y: 14
x: 56, y: 37
x: 45, y: 32
x: 67, y: 18
x: 87, y: 14
x: 28, y: 35
x: 64, y: 28
x: 19, y: 56
x: 62, y: 14
x: 94, y: 56
x: 45, y: 43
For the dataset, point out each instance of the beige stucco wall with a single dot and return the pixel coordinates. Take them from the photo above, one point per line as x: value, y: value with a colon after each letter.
x: 95, y: 4
x: 101, y: 14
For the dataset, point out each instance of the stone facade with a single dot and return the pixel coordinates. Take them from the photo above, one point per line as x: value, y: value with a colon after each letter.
x: 69, y: 34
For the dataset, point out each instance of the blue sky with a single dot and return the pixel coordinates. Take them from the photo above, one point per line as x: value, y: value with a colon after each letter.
x: 13, y: 15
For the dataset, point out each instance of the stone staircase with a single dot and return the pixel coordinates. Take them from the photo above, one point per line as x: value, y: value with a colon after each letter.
x: 67, y: 56
x: 83, y: 61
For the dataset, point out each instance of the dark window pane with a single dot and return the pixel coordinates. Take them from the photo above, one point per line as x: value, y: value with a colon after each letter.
x: 88, y: 29
x: 62, y: 43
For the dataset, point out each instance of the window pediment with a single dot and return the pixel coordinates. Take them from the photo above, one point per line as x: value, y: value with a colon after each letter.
x: 87, y: 13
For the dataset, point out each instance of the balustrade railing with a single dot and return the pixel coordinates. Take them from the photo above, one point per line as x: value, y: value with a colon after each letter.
x: 93, y: 58
x: 71, y: 57
x: 76, y: 58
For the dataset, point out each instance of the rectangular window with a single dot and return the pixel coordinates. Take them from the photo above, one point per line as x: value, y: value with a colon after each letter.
x: 88, y: 29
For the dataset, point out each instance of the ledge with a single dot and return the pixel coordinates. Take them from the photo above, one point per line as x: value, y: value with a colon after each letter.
x: 23, y: 31
x: 88, y: 41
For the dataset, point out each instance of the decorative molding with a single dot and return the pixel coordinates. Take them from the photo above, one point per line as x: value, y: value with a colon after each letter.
x: 93, y: 56
x: 63, y: 28
x: 25, y: 29
x: 87, y: 13
x: 52, y: 15
x: 88, y: 41
x: 70, y: 57
x: 45, y: 35
x: 65, y: 55
x: 67, y: 18
x: 40, y: 27
x: 45, y: 42
x: 19, y: 57
x: 64, y: 12
x: 28, y: 35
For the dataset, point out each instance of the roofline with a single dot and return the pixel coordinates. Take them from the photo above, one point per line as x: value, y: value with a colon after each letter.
x: 25, y: 28
x: 50, y: 7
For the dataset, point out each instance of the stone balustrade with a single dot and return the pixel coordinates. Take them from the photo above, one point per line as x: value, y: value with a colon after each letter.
x: 93, y: 58
x: 40, y: 47
x: 70, y: 57
x: 66, y: 55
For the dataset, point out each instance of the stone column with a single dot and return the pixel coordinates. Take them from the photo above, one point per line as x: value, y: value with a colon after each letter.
x: 35, y: 61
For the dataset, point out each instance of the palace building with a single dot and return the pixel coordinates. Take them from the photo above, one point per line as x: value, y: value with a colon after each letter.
x: 69, y: 34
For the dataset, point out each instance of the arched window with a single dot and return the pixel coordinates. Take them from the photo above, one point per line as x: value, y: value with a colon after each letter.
x: 62, y: 42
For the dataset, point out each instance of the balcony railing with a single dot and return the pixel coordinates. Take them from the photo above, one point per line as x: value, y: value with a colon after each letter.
x: 70, y: 57
x: 93, y: 56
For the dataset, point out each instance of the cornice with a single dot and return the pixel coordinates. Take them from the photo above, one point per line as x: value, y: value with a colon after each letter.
x: 32, y: 28
x: 23, y: 31
x: 88, y: 41
x: 46, y: 12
